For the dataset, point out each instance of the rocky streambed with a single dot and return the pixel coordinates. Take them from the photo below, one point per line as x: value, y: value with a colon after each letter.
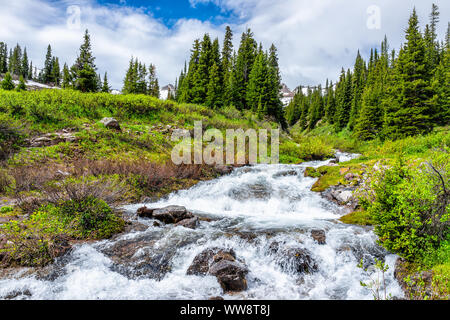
x: 256, y: 233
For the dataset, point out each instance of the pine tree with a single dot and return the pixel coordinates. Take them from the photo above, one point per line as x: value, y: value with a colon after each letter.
x: 440, y: 84
x: 358, y: 87
x: 409, y: 98
x: 257, y: 89
x: 84, y: 70
x: 56, y: 72
x: 21, y: 86
x: 344, y: 100
x: 15, y: 61
x: 243, y: 66
x: 30, y: 71
x: 48, y: 65
x: 153, y: 88
x: 3, y: 57
x: 67, y: 78
x: 330, y: 108
x: 24, y: 69
x: 200, y: 78
x: 227, y: 64
x: 214, y: 96
x: 7, y: 83
x: 106, y: 88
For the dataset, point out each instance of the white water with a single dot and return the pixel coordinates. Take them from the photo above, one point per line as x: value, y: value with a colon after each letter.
x: 249, y: 201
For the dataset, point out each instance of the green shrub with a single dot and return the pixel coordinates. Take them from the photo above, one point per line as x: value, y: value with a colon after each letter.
x: 410, y: 206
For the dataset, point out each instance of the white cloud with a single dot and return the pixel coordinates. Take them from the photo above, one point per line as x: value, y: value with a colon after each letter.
x: 314, y: 38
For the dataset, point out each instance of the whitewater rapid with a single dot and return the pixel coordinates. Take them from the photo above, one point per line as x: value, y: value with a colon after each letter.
x: 247, y: 211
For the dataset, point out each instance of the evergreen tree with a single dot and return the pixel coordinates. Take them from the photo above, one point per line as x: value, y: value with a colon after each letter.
x: 3, y: 57
x: 330, y: 108
x: 15, y: 61
x: 441, y: 89
x: 153, y: 88
x: 56, y: 72
x: 344, y: 100
x: 214, y: 96
x: 7, y: 83
x: 25, y: 67
x: 67, y: 78
x: 358, y: 87
x: 30, y: 71
x: 84, y: 70
x: 241, y: 72
x: 106, y: 88
x: 227, y: 64
x: 21, y: 86
x: 200, y: 78
x: 130, y: 81
x: 409, y: 98
x: 48, y: 65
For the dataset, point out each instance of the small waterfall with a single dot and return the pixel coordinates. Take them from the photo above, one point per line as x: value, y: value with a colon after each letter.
x: 249, y: 211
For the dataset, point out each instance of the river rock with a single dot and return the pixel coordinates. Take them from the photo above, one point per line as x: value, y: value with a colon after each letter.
x: 300, y: 260
x: 171, y: 214
x: 111, y: 123
x: 230, y: 274
x: 145, y: 212
x: 201, y: 263
x: 285, y: 174
x: 223, y: 169
x: 191, y: 223
x: 319, y: 236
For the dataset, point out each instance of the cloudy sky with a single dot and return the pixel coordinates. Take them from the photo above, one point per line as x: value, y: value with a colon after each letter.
x: 314, y: 38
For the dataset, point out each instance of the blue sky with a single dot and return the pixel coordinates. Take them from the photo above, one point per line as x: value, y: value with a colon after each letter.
x: 315, y: 39
x: 169, y: 12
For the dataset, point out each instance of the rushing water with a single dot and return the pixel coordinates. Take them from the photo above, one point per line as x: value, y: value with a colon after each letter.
x: 250, y: 209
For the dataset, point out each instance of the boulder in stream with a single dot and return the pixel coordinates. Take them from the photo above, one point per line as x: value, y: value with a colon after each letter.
x: 222, y: 264
x: 319, y: 236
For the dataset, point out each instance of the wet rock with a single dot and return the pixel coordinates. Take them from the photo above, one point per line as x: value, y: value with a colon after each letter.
x: 171, y: 214
x: 145, y: 212
x: 230, y: 274
x: 201, y: 263
x: 300, y: 260
x: 341, y: 195
x: 217, y: 298
x: 285, y: 174
x: 156, y: 224
x: 191, y: 223
x: 18, y: 293
x: 257, y: 190
x: 223, y: 169
x: 319, y: 236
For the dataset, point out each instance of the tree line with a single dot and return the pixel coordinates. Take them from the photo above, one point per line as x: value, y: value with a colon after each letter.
x: 248, y: 79
x: 391, y: 95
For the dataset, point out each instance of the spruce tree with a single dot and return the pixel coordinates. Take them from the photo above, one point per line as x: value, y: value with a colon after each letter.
x: 106, y: 88
x: 67, y: 78
x: 241, y: 72
x: 358, y: 83
x: 153, y: 88
x: 21, y: 86
x: 7, y: 83
x: 214, y: 96
x: 3, y: 57
x: 344, y: 100
x: 56, y: 72
x: 408, y: 103
x: 227, y: 64
x: 25, y: 67
x: 200, y: 78
x: 441, y: 88
x: 84, y: 70
x: 48, y: 65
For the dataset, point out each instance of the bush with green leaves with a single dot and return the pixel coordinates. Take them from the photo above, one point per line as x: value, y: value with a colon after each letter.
x: 410, y: 204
